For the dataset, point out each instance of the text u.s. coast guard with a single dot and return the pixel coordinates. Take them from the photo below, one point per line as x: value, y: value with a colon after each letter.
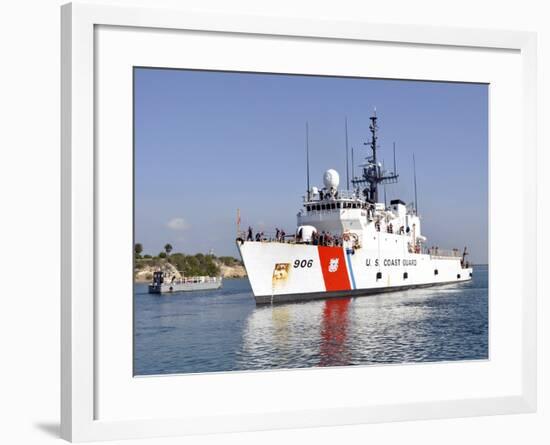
x: 390, y: 262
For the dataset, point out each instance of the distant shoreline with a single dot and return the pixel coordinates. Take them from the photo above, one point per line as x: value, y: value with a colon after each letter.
x: 179, y: 265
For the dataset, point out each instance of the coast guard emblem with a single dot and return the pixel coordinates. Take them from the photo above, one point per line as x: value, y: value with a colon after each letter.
x: 333, y: 265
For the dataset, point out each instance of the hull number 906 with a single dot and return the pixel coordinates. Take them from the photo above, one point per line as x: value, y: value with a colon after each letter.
x: 303, y: 263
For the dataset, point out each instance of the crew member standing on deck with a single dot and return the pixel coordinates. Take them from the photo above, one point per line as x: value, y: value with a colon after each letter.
x: 249, y: 236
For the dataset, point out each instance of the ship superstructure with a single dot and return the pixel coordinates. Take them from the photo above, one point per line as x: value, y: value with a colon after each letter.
x: 348, y: 243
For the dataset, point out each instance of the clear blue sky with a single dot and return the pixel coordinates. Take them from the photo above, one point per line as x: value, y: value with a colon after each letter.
x: 207, y: 143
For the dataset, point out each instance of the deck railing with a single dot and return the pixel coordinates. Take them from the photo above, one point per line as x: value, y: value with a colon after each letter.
x: 436, y: 252
x: 268, y: 237
x: 335, y: 240
x: 202, y: 279
x: 341, y: 194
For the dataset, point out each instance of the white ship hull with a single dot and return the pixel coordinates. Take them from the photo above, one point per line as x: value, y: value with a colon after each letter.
x: 281, y: 272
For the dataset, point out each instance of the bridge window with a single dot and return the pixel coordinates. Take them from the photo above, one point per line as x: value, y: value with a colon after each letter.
x: 323, y: 207
x: 318, y: 207
x: 333, y: 206
x: 308, y: 208
x: 338, y: 205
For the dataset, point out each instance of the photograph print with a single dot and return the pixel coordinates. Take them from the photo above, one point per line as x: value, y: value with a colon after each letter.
x: 288, y: 221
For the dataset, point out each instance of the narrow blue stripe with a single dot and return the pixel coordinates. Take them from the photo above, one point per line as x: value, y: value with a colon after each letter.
x: 348, y: 260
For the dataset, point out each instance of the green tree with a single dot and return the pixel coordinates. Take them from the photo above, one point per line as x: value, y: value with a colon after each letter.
x: 138, y: 248
x: 162, y: 255
x: 193, y: 265
x: 168, y: 248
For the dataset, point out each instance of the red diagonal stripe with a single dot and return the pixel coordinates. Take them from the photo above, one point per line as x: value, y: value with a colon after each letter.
x: 336, y: 277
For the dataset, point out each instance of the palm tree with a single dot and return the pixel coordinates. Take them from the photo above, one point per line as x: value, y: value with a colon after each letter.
x: 168, y: 248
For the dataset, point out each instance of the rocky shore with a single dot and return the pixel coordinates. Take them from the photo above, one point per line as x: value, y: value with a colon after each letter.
x: 144, y: 269
x: 235, y: 271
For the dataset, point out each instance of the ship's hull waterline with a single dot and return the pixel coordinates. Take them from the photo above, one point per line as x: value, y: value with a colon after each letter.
x: 285, y: 272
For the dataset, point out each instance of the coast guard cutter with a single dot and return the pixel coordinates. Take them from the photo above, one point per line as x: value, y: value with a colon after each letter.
x: 348, y: 243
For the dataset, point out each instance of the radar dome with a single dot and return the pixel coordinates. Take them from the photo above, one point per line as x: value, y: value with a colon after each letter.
x: 331, y: 179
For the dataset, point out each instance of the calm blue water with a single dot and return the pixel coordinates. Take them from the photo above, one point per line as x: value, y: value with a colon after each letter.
x: 225, y: 331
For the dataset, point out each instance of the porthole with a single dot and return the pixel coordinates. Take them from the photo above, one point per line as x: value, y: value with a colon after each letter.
x: 436, y: 272
x: 405, y: 275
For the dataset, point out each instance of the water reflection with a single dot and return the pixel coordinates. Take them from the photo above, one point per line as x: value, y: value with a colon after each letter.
x: 401, y: 327
x: 280, y: 317
x: 334, y: 329
x: 225, y: 330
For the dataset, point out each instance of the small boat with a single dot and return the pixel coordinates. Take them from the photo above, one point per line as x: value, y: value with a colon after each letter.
x: 186, y: 284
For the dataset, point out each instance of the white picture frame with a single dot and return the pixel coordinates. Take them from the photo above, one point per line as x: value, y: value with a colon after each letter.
x: 86, y: 412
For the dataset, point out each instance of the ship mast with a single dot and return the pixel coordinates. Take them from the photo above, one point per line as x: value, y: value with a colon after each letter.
x: 372, y: 173
x: 307, y: 159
